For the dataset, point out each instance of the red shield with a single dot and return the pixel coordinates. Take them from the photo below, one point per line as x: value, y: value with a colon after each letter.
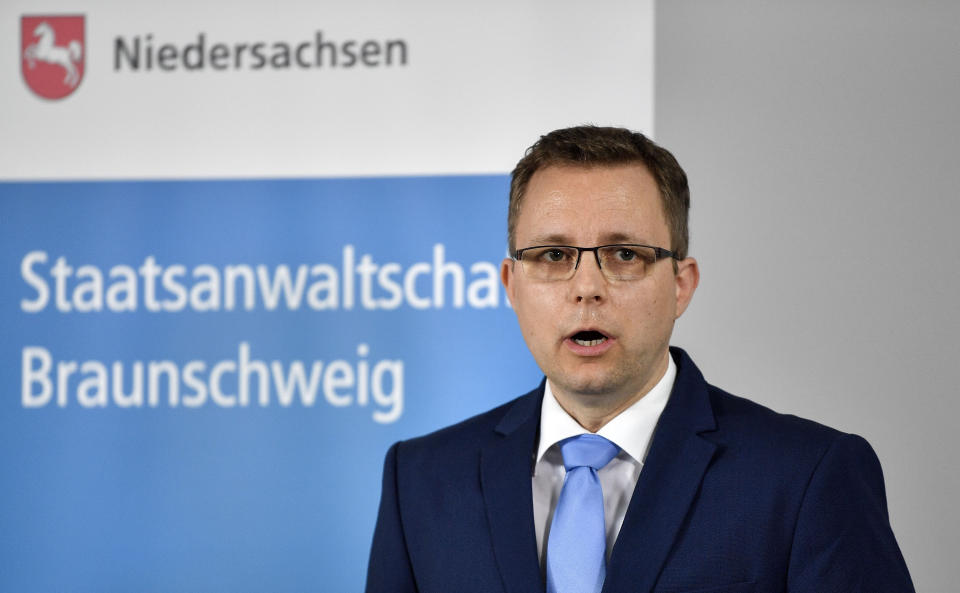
x: 52, y: 54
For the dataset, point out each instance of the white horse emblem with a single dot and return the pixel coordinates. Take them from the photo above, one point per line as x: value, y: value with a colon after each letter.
x: 45, y: 50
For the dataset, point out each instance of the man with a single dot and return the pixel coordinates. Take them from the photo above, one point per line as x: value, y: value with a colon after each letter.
x: 624, y: 470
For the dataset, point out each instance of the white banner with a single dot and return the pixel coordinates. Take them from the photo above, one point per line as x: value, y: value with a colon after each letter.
x: 251, y: 89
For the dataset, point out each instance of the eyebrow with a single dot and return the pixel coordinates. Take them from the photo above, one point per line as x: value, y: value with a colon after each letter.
x: 550, y: 240
x: 606, y: 239
x: 621, y: 238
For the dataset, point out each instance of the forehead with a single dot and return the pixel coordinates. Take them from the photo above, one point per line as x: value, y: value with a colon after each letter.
x: 592, y: 204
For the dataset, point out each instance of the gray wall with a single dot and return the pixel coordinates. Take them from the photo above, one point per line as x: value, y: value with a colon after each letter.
x: 821, y: 139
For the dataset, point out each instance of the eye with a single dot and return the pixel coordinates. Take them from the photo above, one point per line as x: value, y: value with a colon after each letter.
x: 625, y: 254
x: 553, y: 255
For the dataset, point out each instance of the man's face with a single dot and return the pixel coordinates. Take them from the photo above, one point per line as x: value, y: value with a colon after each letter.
x: 586, y: 207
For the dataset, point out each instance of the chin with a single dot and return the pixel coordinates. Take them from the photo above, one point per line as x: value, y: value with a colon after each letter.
x: 597, y: 386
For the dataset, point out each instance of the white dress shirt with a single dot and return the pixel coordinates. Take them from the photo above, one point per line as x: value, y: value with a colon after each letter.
x: 631, y: 430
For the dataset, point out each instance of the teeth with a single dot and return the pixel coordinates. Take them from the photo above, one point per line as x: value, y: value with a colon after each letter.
x: 590, y: 342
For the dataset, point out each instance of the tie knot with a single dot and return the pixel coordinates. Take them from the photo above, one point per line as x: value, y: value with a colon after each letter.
x: 587, y: 450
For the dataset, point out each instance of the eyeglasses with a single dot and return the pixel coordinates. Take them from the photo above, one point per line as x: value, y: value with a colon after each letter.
x: 623, y: 261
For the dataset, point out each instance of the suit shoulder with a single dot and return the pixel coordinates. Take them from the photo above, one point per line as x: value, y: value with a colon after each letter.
x: 469, y: 434
x: 739, y: 418
x: 793, y: 449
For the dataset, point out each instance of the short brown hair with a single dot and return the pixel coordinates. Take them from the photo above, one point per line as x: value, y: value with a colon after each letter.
x: 588, y: 146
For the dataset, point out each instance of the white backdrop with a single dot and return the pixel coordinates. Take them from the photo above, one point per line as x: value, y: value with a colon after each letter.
x: 481, y: 81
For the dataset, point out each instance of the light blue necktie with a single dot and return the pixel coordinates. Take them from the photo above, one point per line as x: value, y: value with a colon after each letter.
x: 576, y: 550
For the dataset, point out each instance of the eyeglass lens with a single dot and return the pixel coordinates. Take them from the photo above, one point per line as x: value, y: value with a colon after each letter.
x: 618, y: 262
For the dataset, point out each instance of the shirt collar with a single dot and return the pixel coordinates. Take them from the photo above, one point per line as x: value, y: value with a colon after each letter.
x: 631, y: 429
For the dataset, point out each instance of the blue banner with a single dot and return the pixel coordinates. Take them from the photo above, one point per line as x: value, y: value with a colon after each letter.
x: 200, y: 378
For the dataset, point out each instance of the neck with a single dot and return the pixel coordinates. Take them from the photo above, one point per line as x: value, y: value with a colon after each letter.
x: 594, y: 410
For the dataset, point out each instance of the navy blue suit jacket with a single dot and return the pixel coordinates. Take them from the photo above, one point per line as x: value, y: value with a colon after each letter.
x: 733, y: 498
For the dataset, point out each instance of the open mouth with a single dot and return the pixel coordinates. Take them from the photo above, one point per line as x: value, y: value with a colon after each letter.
x: 588, y: 338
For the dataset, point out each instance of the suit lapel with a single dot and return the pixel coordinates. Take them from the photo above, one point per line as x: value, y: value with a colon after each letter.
x: 668, y: 484
x: 505, y: 474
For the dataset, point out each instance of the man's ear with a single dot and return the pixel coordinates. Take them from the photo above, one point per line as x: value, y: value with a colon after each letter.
x: 686, y: 280
x: 506, y: 277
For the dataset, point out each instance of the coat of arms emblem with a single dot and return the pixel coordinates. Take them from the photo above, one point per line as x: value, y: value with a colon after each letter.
x: 52, y: 52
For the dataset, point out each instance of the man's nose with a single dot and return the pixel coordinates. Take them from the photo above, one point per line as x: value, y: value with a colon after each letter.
x: 588, y: 282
